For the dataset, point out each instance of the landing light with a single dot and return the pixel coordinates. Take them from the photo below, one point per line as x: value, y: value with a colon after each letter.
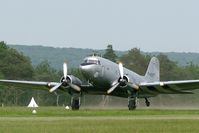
x: 161, y: 84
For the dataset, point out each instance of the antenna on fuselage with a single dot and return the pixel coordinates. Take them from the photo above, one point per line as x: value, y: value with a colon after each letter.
x: 94, y: 53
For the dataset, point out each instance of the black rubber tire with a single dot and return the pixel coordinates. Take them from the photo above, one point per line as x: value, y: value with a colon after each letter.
x: 147, y: 104
x: 132, y: 105
x: 75, y: 104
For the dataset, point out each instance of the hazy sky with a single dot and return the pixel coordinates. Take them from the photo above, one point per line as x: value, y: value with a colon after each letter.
x: 151, y: 25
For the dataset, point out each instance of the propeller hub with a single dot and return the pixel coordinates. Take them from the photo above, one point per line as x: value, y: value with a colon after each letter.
x: 123, y: 81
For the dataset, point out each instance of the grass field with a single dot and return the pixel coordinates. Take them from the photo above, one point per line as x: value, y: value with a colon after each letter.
x: 59, y: 120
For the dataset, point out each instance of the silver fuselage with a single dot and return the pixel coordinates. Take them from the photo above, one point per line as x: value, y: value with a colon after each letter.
x: 104, y: 73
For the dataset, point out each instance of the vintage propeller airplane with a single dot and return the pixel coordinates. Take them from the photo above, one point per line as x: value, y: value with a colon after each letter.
x: 108, y: 78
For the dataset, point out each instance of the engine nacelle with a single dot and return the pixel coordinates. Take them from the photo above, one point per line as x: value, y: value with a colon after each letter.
x: 70, y: 79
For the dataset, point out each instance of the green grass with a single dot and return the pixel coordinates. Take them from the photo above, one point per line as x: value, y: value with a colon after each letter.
x: 58, y: 120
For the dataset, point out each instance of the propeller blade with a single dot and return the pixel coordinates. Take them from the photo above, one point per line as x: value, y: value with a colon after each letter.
x: 121, y: 70
x: 65, y: 70
x: 75, y: 87
x: 55, y: 87
x: 113, y: 88
x: 134, y: 86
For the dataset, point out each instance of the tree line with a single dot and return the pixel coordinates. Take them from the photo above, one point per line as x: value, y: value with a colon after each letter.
x: 14, y: 65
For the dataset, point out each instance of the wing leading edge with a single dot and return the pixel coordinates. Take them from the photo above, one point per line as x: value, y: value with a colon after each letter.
x: 29, y: 84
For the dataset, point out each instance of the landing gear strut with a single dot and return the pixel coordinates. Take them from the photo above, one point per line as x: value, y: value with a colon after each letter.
x: 147, y: 102
x: 75, y: 102
x: 132, y: 103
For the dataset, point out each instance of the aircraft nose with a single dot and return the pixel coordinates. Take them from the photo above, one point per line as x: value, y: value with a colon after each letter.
x: 85, y: 68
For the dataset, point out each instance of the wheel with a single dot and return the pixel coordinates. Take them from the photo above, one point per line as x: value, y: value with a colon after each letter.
x: 75, y: 104
x: 147, y: 102
x: 132, y: 104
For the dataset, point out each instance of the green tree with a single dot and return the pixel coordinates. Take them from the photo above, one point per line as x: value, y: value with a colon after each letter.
x: 135, y: 60
x: 44, y: 72
x: 169, y: 70
x: 110, y: 54
x: 1, y: 75
x: 13, y: 65
x: 3, y: 46
x: 191, y: 71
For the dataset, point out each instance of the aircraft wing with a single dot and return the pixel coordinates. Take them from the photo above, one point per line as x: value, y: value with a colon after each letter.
x: 29, y: 84
x: 39, y: 85
x: 170, y: 87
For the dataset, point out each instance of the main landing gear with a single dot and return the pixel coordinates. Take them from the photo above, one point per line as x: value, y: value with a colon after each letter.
x: 75, y: 102
x: 132, y: 103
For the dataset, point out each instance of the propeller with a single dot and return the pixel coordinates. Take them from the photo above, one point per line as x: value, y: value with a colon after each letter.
x: 113, y: 88
x: 55, y: 87
x: 65, y: 72
x: 122, y: 80
x: 75, y: 87
x: 121, y: 70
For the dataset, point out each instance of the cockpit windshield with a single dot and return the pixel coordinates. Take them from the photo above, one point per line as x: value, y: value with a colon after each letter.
x: 89, y: 61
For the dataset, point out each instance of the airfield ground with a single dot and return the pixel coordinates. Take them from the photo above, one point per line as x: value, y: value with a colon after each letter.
x: 59, y: 120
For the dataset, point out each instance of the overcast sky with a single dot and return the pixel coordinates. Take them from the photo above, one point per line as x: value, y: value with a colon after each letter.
x: 151, y: 25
